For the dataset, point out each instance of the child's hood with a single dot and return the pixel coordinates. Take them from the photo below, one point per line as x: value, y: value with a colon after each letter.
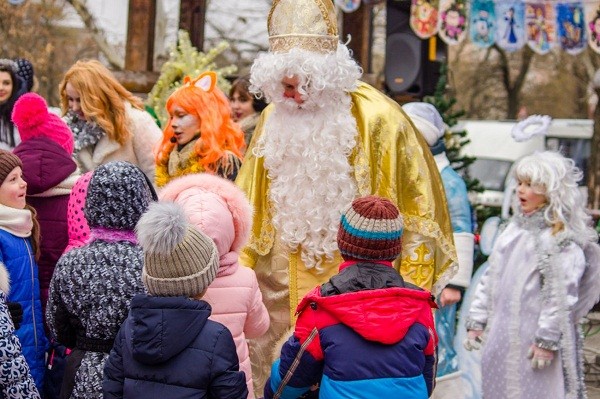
x: 164, y: 326
x: 381, y: 315
x: 45, y: 164
x: 216, y: 206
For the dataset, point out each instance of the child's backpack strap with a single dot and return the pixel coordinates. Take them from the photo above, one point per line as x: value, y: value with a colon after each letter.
x: 295, y: 363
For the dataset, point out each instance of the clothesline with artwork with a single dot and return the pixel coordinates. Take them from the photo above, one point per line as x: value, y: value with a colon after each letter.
x: 511, y: 24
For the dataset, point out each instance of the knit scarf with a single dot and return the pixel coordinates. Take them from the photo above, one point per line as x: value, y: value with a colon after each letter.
x: 18, y: 222
x: 85, y: 134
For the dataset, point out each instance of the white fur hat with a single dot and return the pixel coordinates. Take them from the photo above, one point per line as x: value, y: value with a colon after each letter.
x: 427, y: 119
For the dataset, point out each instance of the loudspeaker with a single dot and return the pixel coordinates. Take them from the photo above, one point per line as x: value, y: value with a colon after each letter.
x: 412, y: 65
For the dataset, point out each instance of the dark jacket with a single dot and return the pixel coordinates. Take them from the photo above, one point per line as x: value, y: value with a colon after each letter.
x: 90, y: 295
x: 45, y: 165
x: 167, y: 348
x: 375, y: 338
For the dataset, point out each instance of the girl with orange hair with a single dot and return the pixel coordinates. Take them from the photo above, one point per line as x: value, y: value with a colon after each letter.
x: 200, y: 135
x: 108, y: 122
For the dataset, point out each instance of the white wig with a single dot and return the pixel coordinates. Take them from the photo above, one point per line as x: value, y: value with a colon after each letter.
x: 332, y: 72
x: 556, y: 177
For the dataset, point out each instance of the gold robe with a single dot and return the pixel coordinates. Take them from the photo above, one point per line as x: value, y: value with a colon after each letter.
x: 391, y: 160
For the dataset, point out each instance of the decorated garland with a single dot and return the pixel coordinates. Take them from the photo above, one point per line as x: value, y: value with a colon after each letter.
x: 541, y: 24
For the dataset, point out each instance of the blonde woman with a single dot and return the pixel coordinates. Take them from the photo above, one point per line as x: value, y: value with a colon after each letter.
x: 108, y: 122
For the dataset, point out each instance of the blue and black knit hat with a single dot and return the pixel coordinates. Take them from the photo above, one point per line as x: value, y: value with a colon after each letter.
x: 370, y: 229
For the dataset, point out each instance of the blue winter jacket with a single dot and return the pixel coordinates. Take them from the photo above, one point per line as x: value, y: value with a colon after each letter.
x: 17, y: 255
x: 374, y: 338
x: 167, y: 348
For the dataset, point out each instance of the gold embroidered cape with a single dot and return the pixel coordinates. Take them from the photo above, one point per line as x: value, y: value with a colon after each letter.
x: 391, y: 160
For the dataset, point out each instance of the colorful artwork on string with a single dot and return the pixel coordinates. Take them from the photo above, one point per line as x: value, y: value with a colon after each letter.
x: 482, y: 24
x: 424, y: 18
x: 348, y: 5
x: 453, y: 21
x: 571, y: 27
x: 510, y: 19
x: 592, y: 16
x: 540, y: 20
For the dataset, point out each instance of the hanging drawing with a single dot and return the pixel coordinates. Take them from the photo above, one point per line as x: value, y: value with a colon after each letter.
x: 510, y: 19
x: 453, y: 21
x: 424, y: 18
x: 540, y: 20
x: 571, y: 27
x: 592, y: 16
x: 348, y: 5
x: 482, y: 24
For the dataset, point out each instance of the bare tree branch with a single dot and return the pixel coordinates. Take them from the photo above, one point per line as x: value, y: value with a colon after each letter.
x: 113, y: 58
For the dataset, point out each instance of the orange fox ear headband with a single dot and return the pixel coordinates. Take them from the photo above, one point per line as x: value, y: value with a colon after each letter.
x: 205, y: 81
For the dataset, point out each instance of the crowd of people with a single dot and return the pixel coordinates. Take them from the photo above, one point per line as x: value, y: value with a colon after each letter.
x: 303, y: 237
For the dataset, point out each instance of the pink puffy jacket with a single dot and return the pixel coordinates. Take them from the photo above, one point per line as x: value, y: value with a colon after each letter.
x: 221, y: 210
x: 79, y: 231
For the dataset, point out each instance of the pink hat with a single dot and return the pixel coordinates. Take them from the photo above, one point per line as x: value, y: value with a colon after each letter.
x: 32, y: 118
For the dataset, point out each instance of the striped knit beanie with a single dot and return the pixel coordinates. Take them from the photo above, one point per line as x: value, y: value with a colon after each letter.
x: 370, y: 229
x: 179, y: 260
x: 8, y: 161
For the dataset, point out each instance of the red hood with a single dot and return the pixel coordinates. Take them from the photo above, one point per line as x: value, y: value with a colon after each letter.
x: 382, y: 315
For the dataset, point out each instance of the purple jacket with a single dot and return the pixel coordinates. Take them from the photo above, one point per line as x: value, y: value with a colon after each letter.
x: 45, y: 165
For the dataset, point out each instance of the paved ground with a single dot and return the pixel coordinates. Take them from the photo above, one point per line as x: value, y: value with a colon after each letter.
x: 592, y: 355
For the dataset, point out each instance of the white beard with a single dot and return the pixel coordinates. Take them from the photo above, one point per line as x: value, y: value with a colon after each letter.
x: 305, y: 152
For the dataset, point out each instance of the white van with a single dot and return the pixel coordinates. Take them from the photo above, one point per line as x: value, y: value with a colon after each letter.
x: 496, y: 150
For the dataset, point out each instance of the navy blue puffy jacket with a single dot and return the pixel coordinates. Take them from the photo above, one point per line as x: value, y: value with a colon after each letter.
x: 167, y: 348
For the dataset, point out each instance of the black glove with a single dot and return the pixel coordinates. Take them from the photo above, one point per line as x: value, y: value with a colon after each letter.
x: 16, y: 313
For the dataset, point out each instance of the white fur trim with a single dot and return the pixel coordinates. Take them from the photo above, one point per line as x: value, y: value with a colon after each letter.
x: 4, y: 279
x: 162, y: 227
x: 431, y: 133
x: 534, y: 125
x: 464, y: 243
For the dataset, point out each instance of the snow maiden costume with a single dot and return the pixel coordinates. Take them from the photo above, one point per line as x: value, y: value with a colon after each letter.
x: 529, y: 296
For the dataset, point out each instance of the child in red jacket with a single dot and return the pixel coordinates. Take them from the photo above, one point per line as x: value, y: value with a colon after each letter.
x: 365, y: 333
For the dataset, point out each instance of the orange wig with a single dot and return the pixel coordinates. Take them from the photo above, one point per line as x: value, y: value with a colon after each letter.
x: 218, y: 131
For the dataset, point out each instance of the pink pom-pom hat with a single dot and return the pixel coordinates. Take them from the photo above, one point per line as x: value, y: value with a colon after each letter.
x: 33, y: 119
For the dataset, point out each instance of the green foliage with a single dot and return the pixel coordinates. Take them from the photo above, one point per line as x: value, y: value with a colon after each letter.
x: 455, y: 139
x: 186, y: 60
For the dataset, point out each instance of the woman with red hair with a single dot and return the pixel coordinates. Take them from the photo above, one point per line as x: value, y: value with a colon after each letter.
x: 200, y: 135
